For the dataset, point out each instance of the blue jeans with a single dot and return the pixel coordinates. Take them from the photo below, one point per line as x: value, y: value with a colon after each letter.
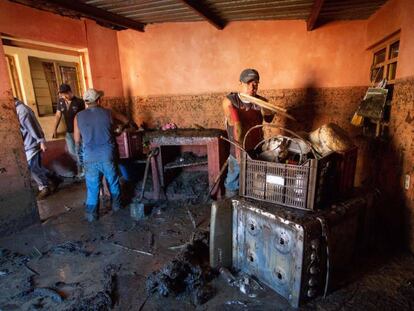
x: 40, y: 174
x: 233, y: 171
x: 93, y: 177
x: 75, y: 151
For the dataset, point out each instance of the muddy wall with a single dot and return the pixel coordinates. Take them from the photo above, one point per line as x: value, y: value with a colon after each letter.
x: 17, y: 205
x: 312, y: 107
x: 394, y: 157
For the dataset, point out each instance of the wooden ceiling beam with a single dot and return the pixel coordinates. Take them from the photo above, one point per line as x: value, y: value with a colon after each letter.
x: 201, y: 9
x: 314, y: 14
x: 99, y: 14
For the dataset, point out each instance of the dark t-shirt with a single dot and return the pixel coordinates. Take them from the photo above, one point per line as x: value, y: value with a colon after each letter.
x: 70, y: 112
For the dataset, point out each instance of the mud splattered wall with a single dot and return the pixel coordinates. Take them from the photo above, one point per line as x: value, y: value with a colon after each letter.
x: 395, y: 157
x: 17, y: 205
x: 311, y: 106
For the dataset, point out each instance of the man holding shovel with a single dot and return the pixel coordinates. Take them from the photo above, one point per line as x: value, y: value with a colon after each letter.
x: 93, y: 127
x: 240, y: 115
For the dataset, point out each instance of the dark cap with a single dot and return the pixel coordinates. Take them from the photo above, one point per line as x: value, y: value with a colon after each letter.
x: 64, y: 88
x: 248, y: 75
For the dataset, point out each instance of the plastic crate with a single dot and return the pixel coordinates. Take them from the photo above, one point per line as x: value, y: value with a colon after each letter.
x: 129, y: 144
x: 299, y: 186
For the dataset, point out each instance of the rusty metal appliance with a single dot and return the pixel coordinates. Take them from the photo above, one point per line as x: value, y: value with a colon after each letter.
x: 297, y: 253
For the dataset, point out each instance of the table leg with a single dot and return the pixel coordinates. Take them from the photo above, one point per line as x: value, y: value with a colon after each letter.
x: 216, y: 154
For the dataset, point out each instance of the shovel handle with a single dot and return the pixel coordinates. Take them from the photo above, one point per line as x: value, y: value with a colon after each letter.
x: 152, y: 153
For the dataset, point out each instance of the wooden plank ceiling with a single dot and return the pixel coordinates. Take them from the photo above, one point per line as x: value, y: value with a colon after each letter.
x: 135, y: 14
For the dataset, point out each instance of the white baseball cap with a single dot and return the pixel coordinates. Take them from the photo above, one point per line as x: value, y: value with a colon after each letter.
x: 92, y: 95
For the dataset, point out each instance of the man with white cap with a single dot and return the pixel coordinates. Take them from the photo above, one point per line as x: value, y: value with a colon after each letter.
x: 93, y: 127
x: 240, y: 116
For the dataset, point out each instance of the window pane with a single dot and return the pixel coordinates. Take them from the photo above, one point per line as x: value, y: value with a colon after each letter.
x: 377, y: 74
x: 379, y: 57
x: 70, y: 76
x: 392, y: 69
x: 50, y: 75
x: 394, y: 49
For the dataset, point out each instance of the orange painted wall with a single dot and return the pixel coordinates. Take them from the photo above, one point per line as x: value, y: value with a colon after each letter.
x: 191, y: 58
x: 397, y: 161
x: 27, y: 23
x: 104, y: 59
x: 5, y: 87
x: 24, y: 22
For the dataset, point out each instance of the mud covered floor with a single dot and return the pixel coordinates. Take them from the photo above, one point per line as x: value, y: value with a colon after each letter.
x: 66, y: 263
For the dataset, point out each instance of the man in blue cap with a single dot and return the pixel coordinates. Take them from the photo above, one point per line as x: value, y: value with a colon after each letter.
x: 240, y: 116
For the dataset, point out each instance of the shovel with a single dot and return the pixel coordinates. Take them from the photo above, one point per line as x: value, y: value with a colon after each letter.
x: 139, y: 209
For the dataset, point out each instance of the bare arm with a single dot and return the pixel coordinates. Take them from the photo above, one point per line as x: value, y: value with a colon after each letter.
x: 58, y: 116
x: 76, y: 132
x: 120, y: 117
x: 233, y: 120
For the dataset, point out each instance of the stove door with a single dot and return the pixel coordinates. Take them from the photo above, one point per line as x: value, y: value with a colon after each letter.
x: 269, y: 248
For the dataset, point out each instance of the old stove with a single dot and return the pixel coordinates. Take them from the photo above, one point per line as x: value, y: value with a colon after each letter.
x: 297, y: 253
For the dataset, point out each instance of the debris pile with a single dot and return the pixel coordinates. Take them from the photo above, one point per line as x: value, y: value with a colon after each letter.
x: 104, y: 299
x: 187, y: 275
x: 193, y: 186
x: 74, y: 247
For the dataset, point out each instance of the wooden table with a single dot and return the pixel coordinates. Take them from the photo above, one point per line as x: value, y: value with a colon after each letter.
x: 201, y: 141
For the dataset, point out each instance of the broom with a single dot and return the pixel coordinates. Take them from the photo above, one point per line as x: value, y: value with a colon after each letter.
x: 357, y: 120
x: 266, y: 105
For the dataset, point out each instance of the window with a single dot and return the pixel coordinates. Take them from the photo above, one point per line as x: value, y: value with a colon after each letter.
x: 384, y: 63
x: 384, y: 66
x: 47, y: 75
